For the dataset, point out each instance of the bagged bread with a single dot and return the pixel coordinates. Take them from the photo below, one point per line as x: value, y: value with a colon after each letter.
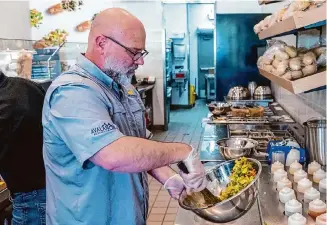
x: 291, y: 9
x: 309, y: 70
x: 291, y: 51
x: 280, y: 14
x: 319, y: 50
x: 24, y: 64
x: 268, y: 68
x: 296, y: 74
x: 302, y: 5
x: 295, y: 64
x: 309, y: 58
x: 321, y: 61
x: 281, y: 55
x: 281, y: 69
x: 287, y: 75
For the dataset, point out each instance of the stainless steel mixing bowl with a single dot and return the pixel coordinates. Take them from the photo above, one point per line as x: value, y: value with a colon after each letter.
x: 219, y: 108
x: 262, y: 92
x: 234, y: 207
x: 232, y: 148
x: 238, y: 93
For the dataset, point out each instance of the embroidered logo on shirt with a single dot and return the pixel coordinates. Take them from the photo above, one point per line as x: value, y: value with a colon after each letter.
x: 130, y: 92
x: 106, y: 127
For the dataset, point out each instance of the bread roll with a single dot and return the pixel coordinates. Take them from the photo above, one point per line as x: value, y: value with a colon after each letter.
x: 281, y: 55
x: 55, y: 9
x: 295, y: 64
x: 86, y: 25
x: 309, y: 58
x: 287, y: 75
x: 291, y: 51
x: 296, y: 75
x: 309, y: 70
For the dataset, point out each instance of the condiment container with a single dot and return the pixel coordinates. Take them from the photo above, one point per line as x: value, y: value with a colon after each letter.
x: 316, y: 208
x: 292, y: 156
x: 276, y: 166
x: 283, y: 183
x: 311, y: 194
x: 286, y: 194
x: 297, y: 219
x: 313, y: 167
x: 322, y: 185
x: 293, y: 206
x: 295, y: 166
x: 299, y: 175
x: 322, y: 219
x: 303, y: 185
x: 279, y: 174
x: 319, y: 175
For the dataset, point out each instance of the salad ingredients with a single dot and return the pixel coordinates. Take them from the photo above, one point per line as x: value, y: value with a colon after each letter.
x: 243, y: 174
x: 36, y: 18
x: 71, y: 5
x: 54, y: 38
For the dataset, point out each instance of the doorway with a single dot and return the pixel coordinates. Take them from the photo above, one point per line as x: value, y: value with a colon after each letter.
x: 189, y: 29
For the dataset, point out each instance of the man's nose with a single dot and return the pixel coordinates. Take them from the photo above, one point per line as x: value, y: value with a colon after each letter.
x: 140, y: 61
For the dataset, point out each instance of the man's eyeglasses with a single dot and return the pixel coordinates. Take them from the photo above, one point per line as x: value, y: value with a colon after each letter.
x: 136, y: 55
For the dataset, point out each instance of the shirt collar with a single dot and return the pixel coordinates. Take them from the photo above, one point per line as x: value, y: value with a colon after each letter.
x: 95, y: 71
x: 3, y: 78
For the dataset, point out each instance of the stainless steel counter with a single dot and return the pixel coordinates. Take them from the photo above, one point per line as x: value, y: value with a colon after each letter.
x: 267, y: 208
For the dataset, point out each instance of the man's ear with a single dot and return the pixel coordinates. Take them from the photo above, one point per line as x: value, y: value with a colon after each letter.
x: 100, y: 43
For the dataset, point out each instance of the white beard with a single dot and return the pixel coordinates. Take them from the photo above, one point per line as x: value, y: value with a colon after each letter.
x: 116, y: 73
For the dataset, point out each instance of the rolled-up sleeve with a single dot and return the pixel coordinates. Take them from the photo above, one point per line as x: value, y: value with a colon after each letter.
x: 80, y: 116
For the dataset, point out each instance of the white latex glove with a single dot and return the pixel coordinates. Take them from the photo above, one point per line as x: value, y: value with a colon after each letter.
x: 195, y: 180
x: 175, y: 186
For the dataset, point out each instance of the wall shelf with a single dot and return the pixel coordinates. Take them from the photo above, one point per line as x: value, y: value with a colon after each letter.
x: 298, y: 86
x: 309, y: 19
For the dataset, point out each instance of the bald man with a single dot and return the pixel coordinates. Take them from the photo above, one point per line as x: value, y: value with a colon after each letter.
x: 95, y: 152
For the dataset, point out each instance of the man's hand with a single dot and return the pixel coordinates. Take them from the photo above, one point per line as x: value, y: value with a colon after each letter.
x: 175, y: 186
x: 195, y: 180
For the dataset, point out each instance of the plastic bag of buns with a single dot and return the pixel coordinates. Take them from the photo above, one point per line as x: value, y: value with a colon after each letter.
x: 24, y: 64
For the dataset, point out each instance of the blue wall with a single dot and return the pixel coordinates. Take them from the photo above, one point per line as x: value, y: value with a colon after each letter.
x: 237, y: 47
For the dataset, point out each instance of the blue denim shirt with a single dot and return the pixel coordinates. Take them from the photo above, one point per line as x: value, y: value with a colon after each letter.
x: 84, y: 111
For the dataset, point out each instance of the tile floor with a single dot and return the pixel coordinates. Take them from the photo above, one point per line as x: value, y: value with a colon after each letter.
x: 184, y: 126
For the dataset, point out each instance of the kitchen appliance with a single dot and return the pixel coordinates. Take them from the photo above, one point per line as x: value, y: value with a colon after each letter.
x: 315, y: 139
x: 236, y: 147
x: 238, y: 93
x: 233, y: 207
x: 210, y: 86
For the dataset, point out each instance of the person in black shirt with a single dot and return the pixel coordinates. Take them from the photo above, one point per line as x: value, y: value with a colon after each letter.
x: 21, y: 140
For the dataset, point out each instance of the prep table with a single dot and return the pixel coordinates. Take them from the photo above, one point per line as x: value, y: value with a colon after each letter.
x: 267, y: 208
